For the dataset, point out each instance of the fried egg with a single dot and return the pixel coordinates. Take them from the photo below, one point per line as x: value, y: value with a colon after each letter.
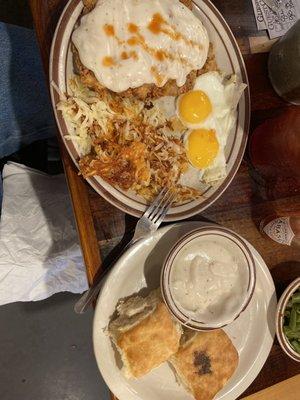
x: 206, y: 155
x: 202, y: 147
x: 208, y: 112
x: 193, y: 108
x: 212, y: 98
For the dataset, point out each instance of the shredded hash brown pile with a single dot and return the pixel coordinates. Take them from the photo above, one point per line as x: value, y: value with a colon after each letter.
x: 127, y: 142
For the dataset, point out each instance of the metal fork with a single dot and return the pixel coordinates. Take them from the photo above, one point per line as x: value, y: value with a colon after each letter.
x: 148, y: 223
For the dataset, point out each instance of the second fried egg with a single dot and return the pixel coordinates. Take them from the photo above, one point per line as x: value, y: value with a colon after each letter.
x: 208, y: 112
x: 202, y: 147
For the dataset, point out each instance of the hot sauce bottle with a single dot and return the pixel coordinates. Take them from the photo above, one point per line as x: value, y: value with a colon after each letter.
x: 284, y: 230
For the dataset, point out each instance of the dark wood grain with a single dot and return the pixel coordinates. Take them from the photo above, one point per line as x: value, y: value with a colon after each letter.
x: 83, y: 217
x: 241, y: 207
x: 45, y: 16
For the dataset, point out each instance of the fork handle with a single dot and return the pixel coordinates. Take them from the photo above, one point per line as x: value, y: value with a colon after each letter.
x: 87, y: 298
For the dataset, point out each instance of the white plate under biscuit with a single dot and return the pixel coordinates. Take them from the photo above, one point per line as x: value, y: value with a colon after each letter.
x: 252, y: 333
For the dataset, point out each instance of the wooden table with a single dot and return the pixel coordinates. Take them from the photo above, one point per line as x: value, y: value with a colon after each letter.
x: 104, y: 229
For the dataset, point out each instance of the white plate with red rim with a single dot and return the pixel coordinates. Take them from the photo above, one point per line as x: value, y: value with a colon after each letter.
x: 229, y: 60
x: 139, y: 270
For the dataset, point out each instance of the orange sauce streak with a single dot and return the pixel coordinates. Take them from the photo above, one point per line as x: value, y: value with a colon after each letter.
x: 108, y: 61
x: 132, y: 28
x: 120, y: 42
x: 160, y: 55
x: 174, y: 35
x: 187, y: 41
x: 133, y: 41
x: 158, y: 77
x: 157, y: 26
x: 133, y: 54
x: 124, y: 55
x: 109, y: 30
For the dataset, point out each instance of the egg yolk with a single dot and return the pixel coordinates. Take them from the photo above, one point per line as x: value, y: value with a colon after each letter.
x: 194, y: 106
x: 202, y: 147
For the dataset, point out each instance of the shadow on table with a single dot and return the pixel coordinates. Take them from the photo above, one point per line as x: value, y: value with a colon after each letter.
x: 130, y: 224
x: 154, y: 261
x: 116, y: 252
x: 271, y: 314
x: 284, y: 273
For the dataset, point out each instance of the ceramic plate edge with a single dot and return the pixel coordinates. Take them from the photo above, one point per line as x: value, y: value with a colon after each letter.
x: 268, y: 339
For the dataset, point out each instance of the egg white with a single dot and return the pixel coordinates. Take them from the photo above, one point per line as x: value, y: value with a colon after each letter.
x: 224, y: 95
x: 217, y: 169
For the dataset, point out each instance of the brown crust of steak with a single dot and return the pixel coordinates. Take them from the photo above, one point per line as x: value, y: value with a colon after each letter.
x: 88, y: 5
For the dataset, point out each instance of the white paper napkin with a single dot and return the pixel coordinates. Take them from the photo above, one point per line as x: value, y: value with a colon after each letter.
x: 39, y: 250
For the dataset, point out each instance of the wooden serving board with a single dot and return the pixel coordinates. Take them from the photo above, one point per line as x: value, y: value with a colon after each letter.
x: 286, y: 390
